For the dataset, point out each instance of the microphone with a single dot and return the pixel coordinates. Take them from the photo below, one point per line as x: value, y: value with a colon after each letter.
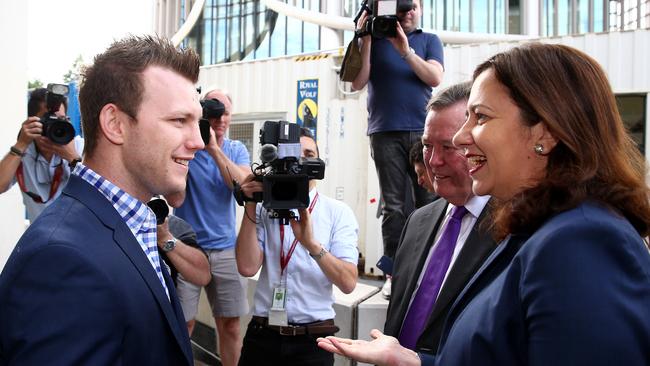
x: 268, y: 153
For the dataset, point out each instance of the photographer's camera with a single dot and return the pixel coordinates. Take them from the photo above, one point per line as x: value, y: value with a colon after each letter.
x: 383, y: 16
x: 212, y: 108
x: 56, y: 128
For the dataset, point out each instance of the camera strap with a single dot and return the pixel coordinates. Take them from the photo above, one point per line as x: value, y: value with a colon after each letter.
x: 56, y: 181
x: 284, y: 260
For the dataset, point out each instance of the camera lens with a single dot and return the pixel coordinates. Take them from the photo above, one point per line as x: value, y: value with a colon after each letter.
x: 58, y: 131
x: 384, y: 26
x: 285, y: 190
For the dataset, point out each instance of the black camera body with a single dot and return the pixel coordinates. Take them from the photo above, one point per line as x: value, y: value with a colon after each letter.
x: 284, y: 174
x: 212, y: 108
x: 382, y: 20
x: 58, y: 129
x: 160, y: 209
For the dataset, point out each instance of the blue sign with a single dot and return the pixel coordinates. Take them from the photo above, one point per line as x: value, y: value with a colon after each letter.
x: 307, y: 113
x: 73, y: 107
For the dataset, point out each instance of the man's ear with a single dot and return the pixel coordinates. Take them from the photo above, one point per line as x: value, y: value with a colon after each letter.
x: 111, y: 123
x: 544, y: 137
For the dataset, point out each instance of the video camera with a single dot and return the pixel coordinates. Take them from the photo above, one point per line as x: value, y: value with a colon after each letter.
x: 58, y: 129
x: 382, y: 16
x: 284, y: 174
x: 212, y: 108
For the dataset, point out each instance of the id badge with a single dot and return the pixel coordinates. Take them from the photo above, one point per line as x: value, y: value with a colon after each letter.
x: 279, y: 298
x: 278, y: 312
x: 278, y: 317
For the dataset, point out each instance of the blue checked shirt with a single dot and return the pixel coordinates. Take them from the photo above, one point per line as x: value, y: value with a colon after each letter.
x: 138, y: 216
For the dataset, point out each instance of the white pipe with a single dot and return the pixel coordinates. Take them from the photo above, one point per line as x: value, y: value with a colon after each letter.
x: 310, y: 16
x: 189, y: 23
x: 344, y: 23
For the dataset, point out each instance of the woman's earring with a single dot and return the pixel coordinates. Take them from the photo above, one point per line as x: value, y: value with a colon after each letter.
x: 539, y: 149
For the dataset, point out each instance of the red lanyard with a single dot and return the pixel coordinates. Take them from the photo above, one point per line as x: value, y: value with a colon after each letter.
x: 56, y: 181
x: 284, y: 260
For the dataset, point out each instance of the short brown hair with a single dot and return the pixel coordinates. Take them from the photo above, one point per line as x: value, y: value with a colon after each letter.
x: 450, y: 96
x: 116, y: 77
x: 594, y: 159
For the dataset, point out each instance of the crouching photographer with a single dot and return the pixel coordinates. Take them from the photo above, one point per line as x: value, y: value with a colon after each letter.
x: 45, y: 150
x: 301, y: 262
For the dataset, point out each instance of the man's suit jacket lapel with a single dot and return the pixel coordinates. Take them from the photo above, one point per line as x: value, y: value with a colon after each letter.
x: 123, y: 237
x: 477, y: 248
x: 183, y: 336
x: 419, y: 247
x: 425, y: 241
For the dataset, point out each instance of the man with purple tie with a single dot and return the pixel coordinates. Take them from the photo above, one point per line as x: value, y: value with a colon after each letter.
x: 443, y: 243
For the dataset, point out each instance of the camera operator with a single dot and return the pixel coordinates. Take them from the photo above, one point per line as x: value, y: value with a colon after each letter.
x: 209, y: 207
x: 40, y: 166
x: 293, y: 298
x: 400, y: 72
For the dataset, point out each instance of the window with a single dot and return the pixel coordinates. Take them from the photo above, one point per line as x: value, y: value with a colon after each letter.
x: 632, y: 108
x: 483, y: 16
x: 245, y: 133
x: 231, y: 30
x: 514, y: 17
x: 561, y: 17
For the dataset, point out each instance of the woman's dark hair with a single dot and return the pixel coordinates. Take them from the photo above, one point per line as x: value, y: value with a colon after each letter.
x: 594, y: 159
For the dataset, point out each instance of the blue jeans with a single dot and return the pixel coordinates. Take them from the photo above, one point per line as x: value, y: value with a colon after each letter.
x: 390, y: 151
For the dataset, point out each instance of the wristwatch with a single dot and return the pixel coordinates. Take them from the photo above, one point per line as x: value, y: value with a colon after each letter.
x: 169, y: 245
x: 73, y: 162
x: 320, y: 254
x: 408, y: 53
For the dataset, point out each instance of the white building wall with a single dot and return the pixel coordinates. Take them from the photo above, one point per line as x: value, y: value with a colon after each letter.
x: 13, y: 73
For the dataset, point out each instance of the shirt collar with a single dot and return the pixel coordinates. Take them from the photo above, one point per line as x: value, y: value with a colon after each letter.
x: 137, y: 215
x: 474, y: 205
x: 415, y: 31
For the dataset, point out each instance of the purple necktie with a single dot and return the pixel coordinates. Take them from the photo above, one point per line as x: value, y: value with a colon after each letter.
x: 425, y: 297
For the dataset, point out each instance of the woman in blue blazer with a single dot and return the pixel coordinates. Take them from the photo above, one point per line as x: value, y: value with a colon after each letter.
x: 570, y: 282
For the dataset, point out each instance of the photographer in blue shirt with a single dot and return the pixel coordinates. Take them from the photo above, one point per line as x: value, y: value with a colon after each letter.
x: 400, y: 72
x: 209, y: 207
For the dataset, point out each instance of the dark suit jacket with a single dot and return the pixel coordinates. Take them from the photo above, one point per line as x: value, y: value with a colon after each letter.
x: 576, y: 292
x: 416, y: 241
x: 79, y: 290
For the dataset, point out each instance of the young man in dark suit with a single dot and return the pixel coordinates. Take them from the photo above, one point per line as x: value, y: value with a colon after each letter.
x: 84, y: 285
x: 421, y: 300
